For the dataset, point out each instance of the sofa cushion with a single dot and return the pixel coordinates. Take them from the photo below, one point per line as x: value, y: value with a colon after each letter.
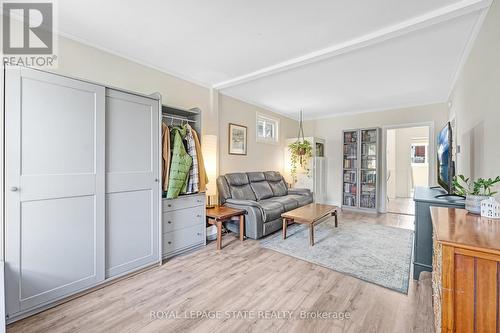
x: 256, y: 176
x: 273, y: 176
x: 237, y: 179
x: 262, y: 190
x: 279, y: 188
x: 272, y: 210
x: 276, y: 183
x: 286, y: 201
x: 302, y: 200
x: 240, y: 187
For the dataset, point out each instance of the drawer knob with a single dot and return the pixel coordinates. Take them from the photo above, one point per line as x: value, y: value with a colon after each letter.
x: 169, y: 242
x: 198, y: 215
x: 169, y: 205
x: 169, y: 222
x: 198, y: 233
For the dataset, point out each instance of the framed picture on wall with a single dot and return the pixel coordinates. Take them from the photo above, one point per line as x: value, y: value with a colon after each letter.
x: 237, y: 139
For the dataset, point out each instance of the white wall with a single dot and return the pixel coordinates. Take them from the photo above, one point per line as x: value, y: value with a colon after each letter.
x: 476, y: 103
x: 391, y: 163
x: 260, y: 156
x: 331, y: 130
x: 404, y: 172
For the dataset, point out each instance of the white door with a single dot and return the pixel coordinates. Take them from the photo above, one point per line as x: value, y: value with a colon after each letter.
x: 132, y: 182
x: 54, y: 178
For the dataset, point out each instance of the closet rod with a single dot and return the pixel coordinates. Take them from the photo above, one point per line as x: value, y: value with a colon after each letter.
x: 179, y: 118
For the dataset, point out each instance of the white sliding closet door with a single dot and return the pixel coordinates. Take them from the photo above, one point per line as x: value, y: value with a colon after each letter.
x: 132, y: 182
x: 54, y: 178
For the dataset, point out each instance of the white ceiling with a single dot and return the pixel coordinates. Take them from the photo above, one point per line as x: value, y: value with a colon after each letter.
x: 327, y: 57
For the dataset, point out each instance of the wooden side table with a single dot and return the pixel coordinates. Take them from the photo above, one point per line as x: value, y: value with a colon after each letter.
x: 220, y: 214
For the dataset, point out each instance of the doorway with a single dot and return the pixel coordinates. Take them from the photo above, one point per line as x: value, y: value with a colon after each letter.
x: 407, y: 166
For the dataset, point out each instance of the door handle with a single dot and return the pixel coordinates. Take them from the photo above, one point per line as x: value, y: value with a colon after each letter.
x: 14, y: 189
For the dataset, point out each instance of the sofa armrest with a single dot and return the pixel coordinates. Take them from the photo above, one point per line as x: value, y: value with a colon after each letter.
x: 254, y: 218
x: 299, y: 191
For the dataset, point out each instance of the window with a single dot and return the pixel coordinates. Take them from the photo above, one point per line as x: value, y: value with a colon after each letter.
x: 267, y: 129
x: 418, y: 153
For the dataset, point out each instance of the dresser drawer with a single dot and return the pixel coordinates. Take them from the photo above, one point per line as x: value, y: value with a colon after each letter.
x: 182, y: 202
x: 179, y: 240
x: 183, y: 218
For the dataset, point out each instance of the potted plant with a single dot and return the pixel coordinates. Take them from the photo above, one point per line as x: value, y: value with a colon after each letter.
x: 474, y: 192
x: 300, y: 154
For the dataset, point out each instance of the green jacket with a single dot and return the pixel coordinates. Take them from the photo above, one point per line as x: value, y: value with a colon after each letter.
x: 180, y: 164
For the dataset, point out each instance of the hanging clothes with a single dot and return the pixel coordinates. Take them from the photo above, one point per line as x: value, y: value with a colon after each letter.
x: 202, y: 173
x: 193, y: 181
x: 180, y: 164
x: 166, y: 156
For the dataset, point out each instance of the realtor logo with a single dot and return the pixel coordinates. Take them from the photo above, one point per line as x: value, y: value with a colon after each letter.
x: 35, y: 20
x: 28, y: 31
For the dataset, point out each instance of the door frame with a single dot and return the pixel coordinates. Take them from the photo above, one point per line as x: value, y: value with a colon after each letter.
x: 431, y: 153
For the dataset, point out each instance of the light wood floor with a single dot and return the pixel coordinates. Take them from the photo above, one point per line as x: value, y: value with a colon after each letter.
x: 243, y: 276
x: 401, y: 206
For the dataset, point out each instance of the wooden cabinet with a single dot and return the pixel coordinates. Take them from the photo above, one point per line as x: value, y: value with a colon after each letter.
x: 466, y: 286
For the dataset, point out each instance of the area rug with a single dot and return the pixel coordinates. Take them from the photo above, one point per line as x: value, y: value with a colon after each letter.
x: 370, y: 252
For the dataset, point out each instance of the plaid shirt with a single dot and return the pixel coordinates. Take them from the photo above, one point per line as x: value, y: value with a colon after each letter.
x: 193, y: 182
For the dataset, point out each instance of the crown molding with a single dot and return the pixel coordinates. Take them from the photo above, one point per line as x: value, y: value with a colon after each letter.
x: 392, y: 108
x: 420, y: 22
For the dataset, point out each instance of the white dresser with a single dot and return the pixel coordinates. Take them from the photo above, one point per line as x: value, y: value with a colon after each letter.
x: 183, y: 224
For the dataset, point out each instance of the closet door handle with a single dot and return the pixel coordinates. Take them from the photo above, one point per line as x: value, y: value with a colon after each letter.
x: 156, y: 180
x: 198, y: 215
x: 169, y: 205
x: 169, y: 222
x: 169, y: 242
x: 14, y: 188
x: 198, y: 233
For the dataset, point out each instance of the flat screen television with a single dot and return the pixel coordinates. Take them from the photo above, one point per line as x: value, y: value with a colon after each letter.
x: 445, y: 167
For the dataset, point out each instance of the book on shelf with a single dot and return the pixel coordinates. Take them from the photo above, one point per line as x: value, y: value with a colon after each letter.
x: 367, y: 201
x: 368, y: 189
x: 349, y: 201
x: 369, y: 149
x: 350, y: 151
x: 369, y: 136
x: 350, y: 176
x: 368, y: 163
x: 350, y: 137
x: 368, y: 177
x: 350, y: 188
x: 350, y: 164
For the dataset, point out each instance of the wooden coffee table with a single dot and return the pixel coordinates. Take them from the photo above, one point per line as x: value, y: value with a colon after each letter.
x: 309, y: 214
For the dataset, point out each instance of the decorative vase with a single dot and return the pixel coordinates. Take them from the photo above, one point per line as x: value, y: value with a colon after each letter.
x: 473, y: 203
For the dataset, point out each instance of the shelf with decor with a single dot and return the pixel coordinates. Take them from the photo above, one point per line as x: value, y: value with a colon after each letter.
x: 360, y: 171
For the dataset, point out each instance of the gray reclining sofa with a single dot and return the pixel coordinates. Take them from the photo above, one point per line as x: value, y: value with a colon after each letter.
x: 264, y: 195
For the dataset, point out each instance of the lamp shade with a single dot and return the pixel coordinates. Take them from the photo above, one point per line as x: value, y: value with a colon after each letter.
x: 209, y: 149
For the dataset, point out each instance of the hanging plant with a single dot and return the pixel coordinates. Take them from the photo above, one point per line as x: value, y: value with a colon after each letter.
x: 300, y: 154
